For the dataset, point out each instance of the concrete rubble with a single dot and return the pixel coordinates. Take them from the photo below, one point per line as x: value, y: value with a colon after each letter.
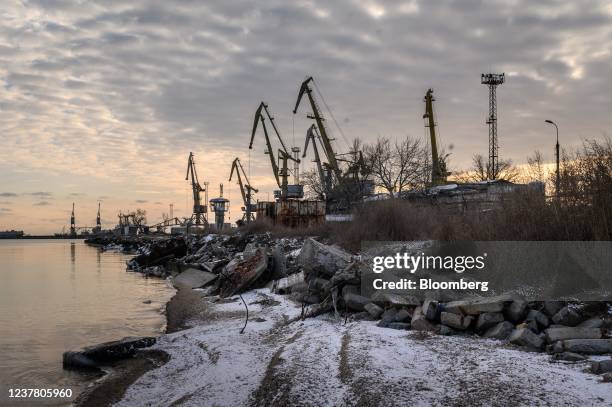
x: 327, y: 278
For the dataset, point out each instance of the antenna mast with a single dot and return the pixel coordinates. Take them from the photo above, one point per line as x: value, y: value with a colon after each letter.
x: 492, y: 80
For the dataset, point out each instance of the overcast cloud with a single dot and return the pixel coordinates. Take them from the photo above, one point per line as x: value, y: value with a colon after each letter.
x: 111, y: 96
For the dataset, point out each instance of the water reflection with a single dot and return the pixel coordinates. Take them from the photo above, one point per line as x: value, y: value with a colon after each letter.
x: 44, y: 310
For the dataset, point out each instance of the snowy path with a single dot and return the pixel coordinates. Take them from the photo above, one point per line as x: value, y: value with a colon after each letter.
x: 321, y: 362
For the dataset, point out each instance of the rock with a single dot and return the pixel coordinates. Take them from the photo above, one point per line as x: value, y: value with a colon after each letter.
x: 399, y: 325
x: 606, y: 378
x: 91, y: 356
x: 560, y: 334
x: 531, y: 325
x: 592, y: 323
x: 395, y: 300
x: 477, y: 305
x: 538, y: 317
x: 552, y: 307
x: 525, y: 337
x: 389, y: 315
x: 319, y: 258
x: 363, y: 316
x: 601, y: 366
x: 516, y: 311
x: 193, y: 278
x: 447, y: 330
x: 586, y: 346
x: 569, y: 357
x: 319, y: 285
x: 351, y: 274
x: 488, y: 320
x: 456, y: 321
x: 403, y: 315
x: 146, y: 302
x: 285, y: 285
x: 356, y: 302
x: 419, y: 322
x: 374, y: 310
x: 500, y: 331
x: 430, y: 309
x: 567, y: 316
x: 76, y: 360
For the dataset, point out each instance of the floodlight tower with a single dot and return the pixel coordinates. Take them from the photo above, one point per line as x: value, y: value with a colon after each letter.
x: 492, y: 80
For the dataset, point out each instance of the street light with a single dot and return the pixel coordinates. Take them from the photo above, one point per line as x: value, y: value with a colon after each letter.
x: 557, y: 180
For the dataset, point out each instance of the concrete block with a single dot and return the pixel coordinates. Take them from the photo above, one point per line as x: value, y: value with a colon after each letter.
x: 560, y: 334
x: 500, y: 331
x: 525, y: 337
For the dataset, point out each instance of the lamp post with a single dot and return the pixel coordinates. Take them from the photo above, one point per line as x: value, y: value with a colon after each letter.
x: 557, y: 180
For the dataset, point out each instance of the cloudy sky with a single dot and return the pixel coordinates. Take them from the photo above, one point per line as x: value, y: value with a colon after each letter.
x: 104, y: 100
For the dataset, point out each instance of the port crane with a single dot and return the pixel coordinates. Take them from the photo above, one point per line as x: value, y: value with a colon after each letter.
x: 318, y: 117
x: 438, y: 164
x: 280, y: 174
x: 199, y: 210
x: 246, y: 190
x: 312, y: 135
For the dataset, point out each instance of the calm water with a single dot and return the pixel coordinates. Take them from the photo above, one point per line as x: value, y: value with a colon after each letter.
x: 58, y: 295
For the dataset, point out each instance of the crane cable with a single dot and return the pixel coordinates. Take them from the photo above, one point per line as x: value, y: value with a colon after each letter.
x: 331, y: 114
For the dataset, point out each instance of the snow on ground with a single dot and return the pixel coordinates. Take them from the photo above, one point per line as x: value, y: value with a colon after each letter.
x: 323, y: 361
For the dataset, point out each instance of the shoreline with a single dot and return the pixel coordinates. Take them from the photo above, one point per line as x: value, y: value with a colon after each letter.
x: 110, y: 388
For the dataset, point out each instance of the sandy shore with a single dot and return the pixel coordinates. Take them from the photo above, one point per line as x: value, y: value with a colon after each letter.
x: 325, y: 361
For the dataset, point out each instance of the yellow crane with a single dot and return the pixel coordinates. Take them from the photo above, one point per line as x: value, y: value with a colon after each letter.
x: 438, y: 164
x: 198, y: 209
x: 246, y: 190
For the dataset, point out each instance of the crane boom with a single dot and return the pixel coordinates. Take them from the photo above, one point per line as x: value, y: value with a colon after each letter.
x: 198, y: 209
x: 327, y: 146
x: 311, y: 137
x: 438, y: 172
x: 246, y: 190
x: 259, y: 117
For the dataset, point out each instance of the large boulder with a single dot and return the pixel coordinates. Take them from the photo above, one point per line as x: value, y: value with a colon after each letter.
x: 92, y: 356
x: 500, y: 331
x: 539, y: 318
x: 516, y: 310
x: 587, y: 346
x: 456, y: 321
x: 193, y: 278
x: 419, y: 322
x: 374, y: 310
x: 475, y: 306
x: 601, y: 366
x: 560, y: 334
x: 488, y: 320
x: 567, y: 316
x: 394, y: 300
x: 356, y: 302
x: 526, y: 338
x: 317, y: 257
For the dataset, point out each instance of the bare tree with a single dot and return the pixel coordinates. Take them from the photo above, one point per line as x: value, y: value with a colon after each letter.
x: 314, y: 188
x: 506, y: 170
x: 536, y: 167
x: 395, y: 167
x: 139, y: 217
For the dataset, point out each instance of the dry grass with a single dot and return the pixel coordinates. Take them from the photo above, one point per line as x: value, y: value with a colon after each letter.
x: 583, y: 212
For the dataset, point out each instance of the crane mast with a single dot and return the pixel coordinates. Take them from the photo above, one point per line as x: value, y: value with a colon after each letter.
x: 259, y: 117
x: 284, y: 171
x: 246, y: 190
x: 198, y: 208
x: 311, y: 137
x: 327, y: 147
x: 438, y: 170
